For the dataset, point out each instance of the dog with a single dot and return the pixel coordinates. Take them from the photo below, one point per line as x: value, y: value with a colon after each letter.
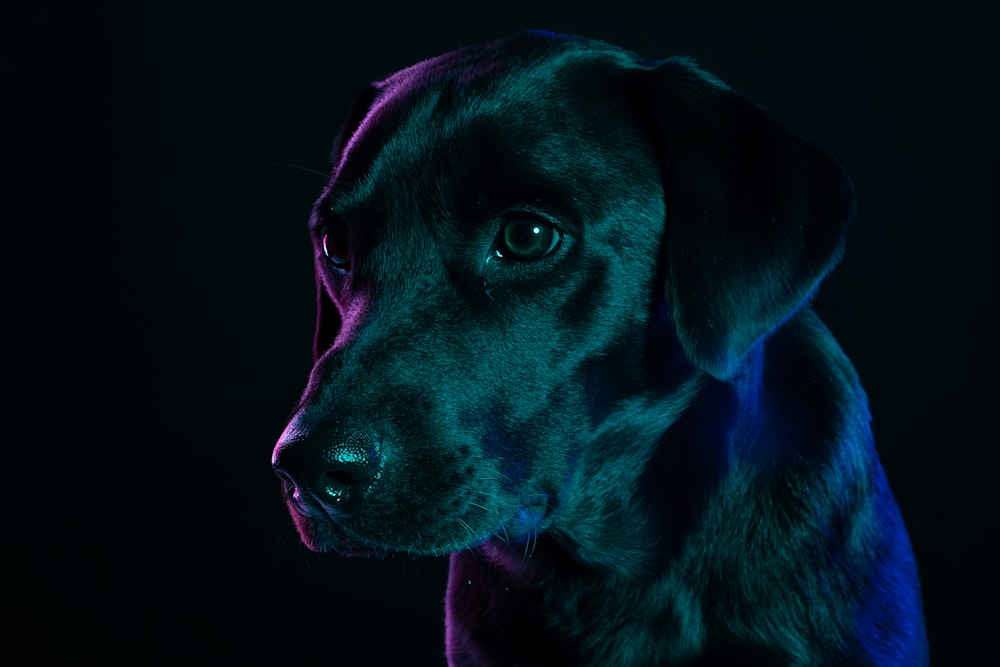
x: 564, y: 335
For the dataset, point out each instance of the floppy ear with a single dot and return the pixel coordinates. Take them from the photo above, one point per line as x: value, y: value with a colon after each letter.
x: 327, y: 314
x: 755, y: 215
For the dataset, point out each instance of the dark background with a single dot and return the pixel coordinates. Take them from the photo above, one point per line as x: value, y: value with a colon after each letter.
x: 158, y: 297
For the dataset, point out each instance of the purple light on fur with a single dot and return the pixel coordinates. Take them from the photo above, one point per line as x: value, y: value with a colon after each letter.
x: 351, y: 318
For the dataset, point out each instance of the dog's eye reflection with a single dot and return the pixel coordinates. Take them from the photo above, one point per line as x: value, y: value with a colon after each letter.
x: 526, y: 239
x: 335, y: 246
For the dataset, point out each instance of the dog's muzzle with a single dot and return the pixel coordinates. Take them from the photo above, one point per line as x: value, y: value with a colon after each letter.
x: 325, y: 474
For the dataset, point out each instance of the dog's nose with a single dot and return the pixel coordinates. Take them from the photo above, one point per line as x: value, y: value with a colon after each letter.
x: 326, y: 471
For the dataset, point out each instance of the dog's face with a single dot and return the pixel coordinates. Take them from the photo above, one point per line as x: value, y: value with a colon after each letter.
x: 498, y: 352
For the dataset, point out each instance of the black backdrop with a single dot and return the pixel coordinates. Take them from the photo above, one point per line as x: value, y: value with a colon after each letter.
x: 158, y: 299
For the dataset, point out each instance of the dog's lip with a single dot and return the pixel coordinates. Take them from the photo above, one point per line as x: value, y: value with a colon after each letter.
x: 310, y: 507
x: 338, y: 532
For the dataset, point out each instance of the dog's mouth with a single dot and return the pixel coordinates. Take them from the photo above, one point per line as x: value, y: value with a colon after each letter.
x: 366, y: 535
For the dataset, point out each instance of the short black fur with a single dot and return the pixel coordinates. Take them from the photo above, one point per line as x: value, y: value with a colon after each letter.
x: 640, y: 448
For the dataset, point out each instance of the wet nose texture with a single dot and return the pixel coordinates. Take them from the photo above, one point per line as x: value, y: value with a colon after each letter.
x: 326, y: 472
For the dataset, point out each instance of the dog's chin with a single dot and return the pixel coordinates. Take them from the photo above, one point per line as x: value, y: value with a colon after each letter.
x: 324, y: 535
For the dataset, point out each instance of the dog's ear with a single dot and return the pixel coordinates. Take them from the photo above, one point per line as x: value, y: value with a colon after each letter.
x: 755, y: 215
x: 327, y: 314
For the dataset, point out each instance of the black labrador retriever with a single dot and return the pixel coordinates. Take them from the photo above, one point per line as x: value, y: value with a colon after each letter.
x: 564, y: 336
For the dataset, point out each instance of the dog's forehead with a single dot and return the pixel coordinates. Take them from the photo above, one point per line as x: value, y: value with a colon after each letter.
x: 500, y: 78
x: 479, y: 106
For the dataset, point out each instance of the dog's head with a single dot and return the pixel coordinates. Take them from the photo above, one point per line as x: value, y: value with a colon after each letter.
x: 529, y: 255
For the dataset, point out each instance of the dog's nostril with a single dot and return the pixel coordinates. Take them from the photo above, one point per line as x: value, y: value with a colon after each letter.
x: 341, y: 477
x: 336, y: 485
x: 315, y: 470
x: 291, y: 488
x: 286, y: 482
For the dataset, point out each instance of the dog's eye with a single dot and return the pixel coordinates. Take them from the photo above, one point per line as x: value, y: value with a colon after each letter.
x: 335, y: 245
x: 525, y: 238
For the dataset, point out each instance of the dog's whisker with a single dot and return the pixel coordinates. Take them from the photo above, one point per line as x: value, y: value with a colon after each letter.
x: 467, y: 527
x: 486, y: 509
x: 504, y: 537
x: 529, y: 548
x: 491, y: 496
x: 290, y: 166
x: 500, y: 475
